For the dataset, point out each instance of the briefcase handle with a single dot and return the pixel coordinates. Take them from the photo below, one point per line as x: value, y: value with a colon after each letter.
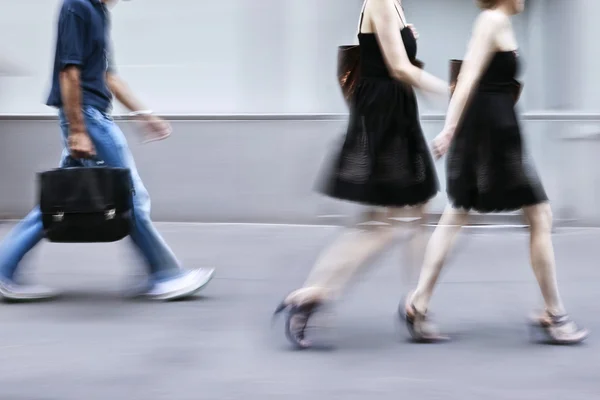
x: 72, y: 162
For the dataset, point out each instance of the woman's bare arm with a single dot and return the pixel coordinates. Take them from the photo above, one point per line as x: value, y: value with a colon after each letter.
x: 387, y: 29
x: 481, y: 49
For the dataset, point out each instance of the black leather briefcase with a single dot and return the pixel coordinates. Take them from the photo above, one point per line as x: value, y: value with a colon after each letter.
x: 82, y: 204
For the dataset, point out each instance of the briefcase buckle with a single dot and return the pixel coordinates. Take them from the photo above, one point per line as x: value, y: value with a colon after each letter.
x: 110, y: 214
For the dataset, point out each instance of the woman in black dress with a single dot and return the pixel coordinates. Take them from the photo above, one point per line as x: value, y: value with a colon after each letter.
x: 488, y: 171
x: 384, y: 162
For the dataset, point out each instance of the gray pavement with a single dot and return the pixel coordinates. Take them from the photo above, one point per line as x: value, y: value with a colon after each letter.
x: 93, y: 344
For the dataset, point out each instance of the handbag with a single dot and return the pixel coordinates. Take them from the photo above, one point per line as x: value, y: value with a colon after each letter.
x: 455, y: 66
x: 454, y: 72
x: 348, y: 70
x: 81, y: 204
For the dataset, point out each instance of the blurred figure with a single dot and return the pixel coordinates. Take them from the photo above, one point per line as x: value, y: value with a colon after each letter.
x: 488, y: 171
x: 83, y: 82
x: 384, y: 162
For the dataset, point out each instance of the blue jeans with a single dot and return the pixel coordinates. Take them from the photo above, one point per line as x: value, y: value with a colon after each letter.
x: 111, y: 147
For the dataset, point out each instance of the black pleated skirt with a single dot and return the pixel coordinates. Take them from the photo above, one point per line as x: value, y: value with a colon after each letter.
x: 384, y: 159
x: 488, y: 169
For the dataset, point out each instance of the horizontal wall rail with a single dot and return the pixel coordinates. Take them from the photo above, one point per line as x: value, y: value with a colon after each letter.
x: 528, y: 116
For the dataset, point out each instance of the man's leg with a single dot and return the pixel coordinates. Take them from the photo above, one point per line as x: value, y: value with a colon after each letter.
x: 19, y: 241
x: 15, y: 246
x: 167, y: 277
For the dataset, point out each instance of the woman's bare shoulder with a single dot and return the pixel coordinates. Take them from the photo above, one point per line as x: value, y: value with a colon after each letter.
x: 491, y: 21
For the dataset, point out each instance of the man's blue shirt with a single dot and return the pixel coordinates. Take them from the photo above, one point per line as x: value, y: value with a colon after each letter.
x: 83, y: 40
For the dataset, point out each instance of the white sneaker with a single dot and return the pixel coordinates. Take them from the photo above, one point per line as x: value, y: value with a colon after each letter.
x: 13, y: 291
x: 181, y: 287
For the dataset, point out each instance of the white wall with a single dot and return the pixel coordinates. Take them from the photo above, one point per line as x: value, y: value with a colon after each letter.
x: 196, y: 56
x: 226, y: 166
x: 226, y: 57
x: 26, y: 40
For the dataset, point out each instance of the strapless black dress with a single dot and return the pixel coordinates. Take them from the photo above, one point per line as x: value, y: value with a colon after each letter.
x: 384, y: 159
x: 488, y: 169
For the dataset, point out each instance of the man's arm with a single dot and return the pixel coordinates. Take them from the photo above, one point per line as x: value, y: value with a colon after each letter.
x: 117, y: 86
x: 70, y: 48
x: 122, y: 93
x: 70, y: 90
x: 156, y: 128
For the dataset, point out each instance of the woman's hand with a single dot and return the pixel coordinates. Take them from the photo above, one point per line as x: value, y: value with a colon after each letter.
x: 413, y: 30
x: 441, y: 144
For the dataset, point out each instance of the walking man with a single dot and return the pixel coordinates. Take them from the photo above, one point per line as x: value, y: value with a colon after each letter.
x: 84, y: 82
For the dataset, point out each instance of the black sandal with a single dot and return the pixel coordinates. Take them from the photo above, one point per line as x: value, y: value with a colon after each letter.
x: 419, y: 326
x: 557, y: 329
x: 296, y: 322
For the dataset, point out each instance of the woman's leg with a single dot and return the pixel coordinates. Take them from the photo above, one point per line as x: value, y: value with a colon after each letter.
x: 542, y: 255
x: 439, y: 245
x: 554, y: 323
x: 337, y: 266
x: 341, y: 261
x: 415, y: 247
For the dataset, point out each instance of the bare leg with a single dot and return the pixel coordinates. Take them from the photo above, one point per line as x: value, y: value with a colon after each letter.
x: 414, y: 248
x: 334, y: 269
x: 554, y: 323
x: 344, y: 258
x: 542, y: 255
x: 439, y: 245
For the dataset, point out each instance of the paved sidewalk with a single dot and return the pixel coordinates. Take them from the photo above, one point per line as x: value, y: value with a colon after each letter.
x: 92, y: 344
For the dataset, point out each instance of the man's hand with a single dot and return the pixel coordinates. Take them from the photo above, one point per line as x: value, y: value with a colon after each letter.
x: 80, y: 144
x: 154, y: 128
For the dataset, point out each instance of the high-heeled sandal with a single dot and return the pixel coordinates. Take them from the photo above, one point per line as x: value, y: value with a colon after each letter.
x: 419, y: 326
x: 296, y: 322
x: 557, y: 329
